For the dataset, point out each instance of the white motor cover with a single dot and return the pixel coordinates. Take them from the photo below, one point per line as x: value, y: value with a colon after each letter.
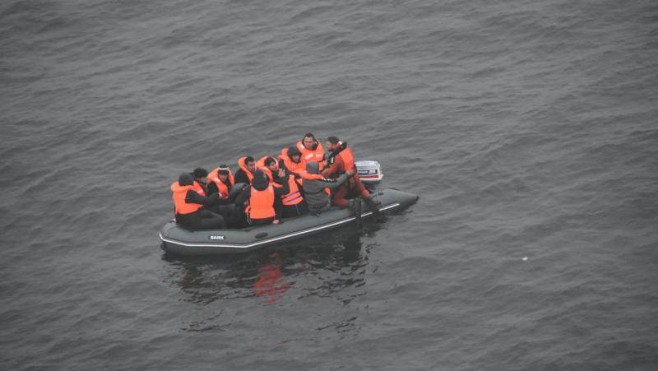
x: 369, y: 171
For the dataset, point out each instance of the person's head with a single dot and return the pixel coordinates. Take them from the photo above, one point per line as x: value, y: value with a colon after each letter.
x: 271, y: 163
x: 223, y: 172
x: 250, y: 164
x: 332, y: 143
x: 186, y: 179
x: 200, y: 174
x: 260, y: 181
x: 310, y: 142
x: 294, y: 154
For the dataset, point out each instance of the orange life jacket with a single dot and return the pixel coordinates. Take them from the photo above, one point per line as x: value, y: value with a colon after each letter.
x: 179, y: 192
x: 261, y: 203
x: 346, y: 163
x: 293, y: 167
x: 309, y: 155
x: 221, y: 186
x: 199, y: 189
x: 348, y: 159
x: 243, y: 165
x: 297, y: 168
x: 294, y: 196
x: 260, y: 164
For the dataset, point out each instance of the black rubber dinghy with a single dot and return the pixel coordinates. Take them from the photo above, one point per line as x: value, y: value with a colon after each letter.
x: 179, y: 241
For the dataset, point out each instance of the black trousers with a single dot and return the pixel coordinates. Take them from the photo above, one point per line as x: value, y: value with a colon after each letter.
x: 294, y: 210
x: 201, y: 220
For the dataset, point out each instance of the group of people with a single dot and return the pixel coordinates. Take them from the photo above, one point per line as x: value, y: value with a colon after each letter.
x: 302, y: 178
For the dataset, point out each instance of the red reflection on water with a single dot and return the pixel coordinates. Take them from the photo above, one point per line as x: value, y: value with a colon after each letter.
x: 270, y: 284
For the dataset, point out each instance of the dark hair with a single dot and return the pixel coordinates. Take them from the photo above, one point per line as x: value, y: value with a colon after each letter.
x: 185, y: 179
x: 315, y: 140
x: 293, y: 151
x: 269, y: 161
x: 333, y: 140
x: 200, y: 172
x: 248, y: 159
x: 310, y: 135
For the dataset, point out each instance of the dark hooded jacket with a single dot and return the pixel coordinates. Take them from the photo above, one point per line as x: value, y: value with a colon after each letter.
x: 314, y: 194
x: 193, y: 197
x: 202, y: 218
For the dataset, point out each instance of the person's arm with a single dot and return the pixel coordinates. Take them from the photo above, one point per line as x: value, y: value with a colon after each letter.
x: 283, y: 189
x: 341, y: 179
x: 194, y: 198
x: 241, y: 177
x: 243, y: 196
x: 212, y: 188
x: 332, y: 170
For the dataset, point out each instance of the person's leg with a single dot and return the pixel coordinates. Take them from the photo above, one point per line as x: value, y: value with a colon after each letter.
x: 358, y: 188
x: 295, y: 210
x: 210, y: 220
x: 339, y: 197
x: 262, y: 221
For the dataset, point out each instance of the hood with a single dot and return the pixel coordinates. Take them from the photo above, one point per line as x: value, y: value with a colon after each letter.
x: 313, y: 167
x: 260, y: 181
x: 293, y: 151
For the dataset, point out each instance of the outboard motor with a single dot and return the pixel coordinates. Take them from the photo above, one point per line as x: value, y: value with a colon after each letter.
x: 370, y: 173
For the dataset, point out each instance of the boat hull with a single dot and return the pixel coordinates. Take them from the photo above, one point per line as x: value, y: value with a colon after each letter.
x: 180, y: 241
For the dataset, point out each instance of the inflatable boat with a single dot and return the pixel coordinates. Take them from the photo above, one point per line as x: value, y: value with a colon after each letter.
x: 179, y: 241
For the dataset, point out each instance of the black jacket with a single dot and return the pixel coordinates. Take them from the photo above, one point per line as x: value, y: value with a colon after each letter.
x: 241, y: 177
x: 192, y: 197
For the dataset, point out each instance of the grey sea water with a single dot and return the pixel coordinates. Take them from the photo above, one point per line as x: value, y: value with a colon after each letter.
x: 528, y: 128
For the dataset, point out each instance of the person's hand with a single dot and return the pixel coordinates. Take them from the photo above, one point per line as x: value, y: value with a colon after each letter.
x: 350, y: 173
x: 282, y: 173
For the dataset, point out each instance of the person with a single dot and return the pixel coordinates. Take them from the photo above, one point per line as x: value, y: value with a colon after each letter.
x: 291, y: 159
x: 270, y: 166
x: 317, y: 197
x: 189, y: 205
x: 311, y: 149
x: 201, y: 178
x: 341, y: 160
x: 220, y: 181
x: 246, y: 172
x: 261, y: 197
x: 293, y: 202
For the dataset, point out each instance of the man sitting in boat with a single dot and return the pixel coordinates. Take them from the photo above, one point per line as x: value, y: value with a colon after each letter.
x: 247, y: 167
x: 201, y: 178
x: 260, y: 198
x: 220, y: 181
x: 291, y: 159
x: 189, y: 201
x: 339, y: 161
x: 317, y: 192
x: 270, y: 166
x: 311, y: 149
x: 290, y: 204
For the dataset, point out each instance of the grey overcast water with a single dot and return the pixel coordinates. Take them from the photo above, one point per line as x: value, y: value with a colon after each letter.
x: 528, y: 128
